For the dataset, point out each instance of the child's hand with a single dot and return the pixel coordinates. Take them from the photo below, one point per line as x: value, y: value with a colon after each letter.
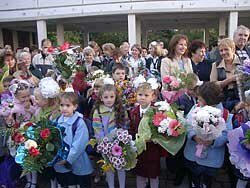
x: 208, y: 142
x: 62, y: 162
x: 198, y: 140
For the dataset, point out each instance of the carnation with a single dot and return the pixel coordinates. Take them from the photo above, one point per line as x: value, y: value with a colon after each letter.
x: 30, y: 143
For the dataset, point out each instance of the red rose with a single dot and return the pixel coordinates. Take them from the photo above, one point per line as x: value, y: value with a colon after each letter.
x: 16, y: 125
x: 18, y: 138
x: 65, y: 46
x: 29, y: 124
x: 50, y: 50
x: 34, y: 152
x: 45, y: 133
x: 158, y: 117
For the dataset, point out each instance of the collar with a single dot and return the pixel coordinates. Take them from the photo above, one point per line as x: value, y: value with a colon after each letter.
x: 70, y: 120
x: 236, y: 61
x: 143, y: 111
x: 105, y: 109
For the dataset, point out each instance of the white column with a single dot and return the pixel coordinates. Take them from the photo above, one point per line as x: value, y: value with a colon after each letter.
x: 222, y: 26
x: 60, y: 33
x: 1, y: 38
x: 138, y: 31
x: 15, y: 40
x: 41, y: 31
x: 85, y: 38
x: 232, y: 24
x: 131, y: 29
x: 31, y: 38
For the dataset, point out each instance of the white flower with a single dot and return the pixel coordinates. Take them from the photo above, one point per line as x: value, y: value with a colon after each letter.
x: 101, y: 72
x: 153, y: 83
x: 161, y: 130
x: 139, y: 80
x: 108, y: 81
x: 30, y: 143
x: 164, y: 106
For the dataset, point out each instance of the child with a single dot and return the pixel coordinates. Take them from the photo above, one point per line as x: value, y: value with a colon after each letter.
x: 234, y: 150
x: 119, y: 72
x: 6, y: 96
x: 148, y: 165
x: 46, y: 99
x: 23, y: 102
x: 209, y: 93
x: 76, y: 168
x: 109, y: 114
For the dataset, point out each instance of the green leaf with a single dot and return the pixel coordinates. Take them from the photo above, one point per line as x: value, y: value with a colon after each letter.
x: 50, y: 147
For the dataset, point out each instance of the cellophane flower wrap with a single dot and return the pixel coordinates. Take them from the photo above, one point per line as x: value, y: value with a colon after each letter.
x: 36, y: 144
x: 208, y: 124
x: 163, y: 125
x: 118, y: 151
x: 243, y: 79
x: 173, y: 86
x: 239, y: 148
x: 67, y: 60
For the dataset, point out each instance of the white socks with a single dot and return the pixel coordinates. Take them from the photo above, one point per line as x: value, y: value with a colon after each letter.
x: 110, y: 178
x: 31, y: 180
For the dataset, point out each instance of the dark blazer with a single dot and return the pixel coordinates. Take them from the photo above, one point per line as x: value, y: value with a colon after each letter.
x: 185, y: 103
x: 157, y: 65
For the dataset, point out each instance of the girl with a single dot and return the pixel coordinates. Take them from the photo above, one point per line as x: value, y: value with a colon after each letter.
x: 22, y: 111
x: 177, y: 60
x: 209, y: 93
x: 76, y: 168
x: 135, y: 62
x: 109, y: 114
x: 148, y: 165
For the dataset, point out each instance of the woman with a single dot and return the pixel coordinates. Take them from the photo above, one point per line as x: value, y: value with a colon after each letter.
x: 201, y: 67
x: 89, y: 61
x: 177, y: 60
x: 224, y: 72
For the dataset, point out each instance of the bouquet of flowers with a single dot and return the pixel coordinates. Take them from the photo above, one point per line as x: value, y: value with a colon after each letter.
x: 208, y: 124
x: 239, y: 148
x: 95, y: 75
x: 36, y: 144
x: 118, y: 151
x: 173, y: 86
x: 126, y: 91
x: 243, y: 79
x: 162, y: 125
x: 66, y: 60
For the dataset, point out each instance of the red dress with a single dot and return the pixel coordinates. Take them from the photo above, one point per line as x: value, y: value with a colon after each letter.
x: 148, y: 164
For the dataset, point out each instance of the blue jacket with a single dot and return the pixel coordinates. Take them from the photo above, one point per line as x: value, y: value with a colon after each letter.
x: 77, y: 156
x: 215, y: 152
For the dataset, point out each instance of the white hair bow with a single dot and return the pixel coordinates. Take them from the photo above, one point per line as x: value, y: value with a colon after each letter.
x: 108, y: 81
x: 140, y: 79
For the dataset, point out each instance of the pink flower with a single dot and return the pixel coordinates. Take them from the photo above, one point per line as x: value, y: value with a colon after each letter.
x: 167, y: 79
x: 65, y: 46
x: 158, y: 117
x: 175, y: 84
x: 173, y: 127
x: 116, y: 150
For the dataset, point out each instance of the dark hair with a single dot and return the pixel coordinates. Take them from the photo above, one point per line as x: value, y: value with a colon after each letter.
x: 71, y: 96
x: 118, y: 107
x: 211, y: 92
x: 45, y: 40
x: 195, y: 45
x: 20, y: 87
x: 118, y: 66
x: 172, y: 44
x: 92, y: 44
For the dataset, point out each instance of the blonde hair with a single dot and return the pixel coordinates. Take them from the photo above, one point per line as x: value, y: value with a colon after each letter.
x: 51, y: 101
x: 88, y: 50
x: 227, y: 42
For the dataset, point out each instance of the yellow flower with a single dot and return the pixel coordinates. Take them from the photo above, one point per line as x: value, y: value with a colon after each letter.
x: 92, y: 142
x: 105, y: 166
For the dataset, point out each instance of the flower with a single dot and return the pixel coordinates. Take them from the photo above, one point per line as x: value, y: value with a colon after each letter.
x: 65, y: 46
x: 167, y: 79
x: 16, y: 125
x: 29, y: 144
x: 175, y: 84
x: 45, y: 133
x: 173, y: 128
x: 18, y: 138
x: 108, y: 81
x: 50, y: 49
x: 116, y: 150
x: 158, y: 117
x: 153, y: 83
x: 29, y: 124
x: 34, y: 152
x: 164, y: 106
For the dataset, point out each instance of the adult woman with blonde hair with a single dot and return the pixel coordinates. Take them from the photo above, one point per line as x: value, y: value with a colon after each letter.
x: 177, y: 60
x: 224, y: 72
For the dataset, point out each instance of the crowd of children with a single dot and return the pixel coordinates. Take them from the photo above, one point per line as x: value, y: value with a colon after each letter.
x: 33, y: 89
